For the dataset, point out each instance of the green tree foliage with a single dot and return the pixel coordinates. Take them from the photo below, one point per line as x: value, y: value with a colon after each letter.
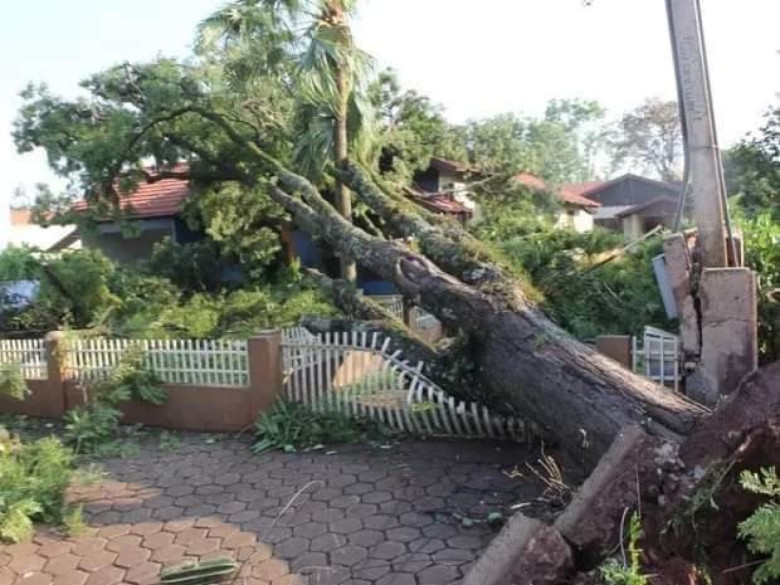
x: 243, y: 223
x: 753, y: 169
x: 73, y: 289
x: 411, y: 129
x: 558, y: 147
x: 762, y: 528
x: 182, y: 300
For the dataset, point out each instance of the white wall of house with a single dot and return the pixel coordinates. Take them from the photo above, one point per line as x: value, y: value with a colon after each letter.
x: 40, y: 237
x: 577, y: 219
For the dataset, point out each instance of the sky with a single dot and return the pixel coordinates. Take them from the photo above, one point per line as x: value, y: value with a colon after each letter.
x: 475, y: 58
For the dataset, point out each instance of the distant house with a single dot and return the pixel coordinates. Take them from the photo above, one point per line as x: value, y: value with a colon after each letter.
x: 153, y: 211
x: 442, y: 188
x: 631, y: 204
x: 577, y: 211
x: 24, y: 232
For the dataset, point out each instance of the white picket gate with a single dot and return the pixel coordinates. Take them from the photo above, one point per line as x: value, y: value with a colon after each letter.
x: 356, y: 374
x: 28, y: 354
x: 658, y: 356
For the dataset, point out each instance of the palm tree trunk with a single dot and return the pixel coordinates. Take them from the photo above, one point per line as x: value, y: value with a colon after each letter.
x: 340, y: 142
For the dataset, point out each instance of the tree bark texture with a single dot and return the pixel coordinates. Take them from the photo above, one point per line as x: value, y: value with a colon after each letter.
x: 341, y: 147
x: 532, y: 368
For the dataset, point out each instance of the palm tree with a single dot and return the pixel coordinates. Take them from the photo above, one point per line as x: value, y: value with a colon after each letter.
x: 332, y: 112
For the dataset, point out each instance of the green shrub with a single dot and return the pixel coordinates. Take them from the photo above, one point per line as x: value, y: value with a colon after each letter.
x: 762, y: 254
x: 290, y: 426
x: 33, y: 479
x: 89, y: 426
x: 93, y: 427
x: 762, y: 528
x: 620, y: 296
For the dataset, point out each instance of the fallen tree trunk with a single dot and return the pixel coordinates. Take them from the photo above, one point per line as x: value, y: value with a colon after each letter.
x: 532, y: 368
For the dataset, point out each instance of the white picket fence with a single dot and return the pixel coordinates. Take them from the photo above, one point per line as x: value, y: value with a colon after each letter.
x: 201, y: 362
x: 28, y: 354
x: 357, y: 375
x: 657, y: 356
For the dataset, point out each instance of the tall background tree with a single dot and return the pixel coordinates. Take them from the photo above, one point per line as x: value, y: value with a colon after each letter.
x: 649, y: 140
x: 331, y: 107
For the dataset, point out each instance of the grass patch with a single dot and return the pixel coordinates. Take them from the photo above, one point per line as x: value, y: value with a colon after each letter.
x: 291, y: 427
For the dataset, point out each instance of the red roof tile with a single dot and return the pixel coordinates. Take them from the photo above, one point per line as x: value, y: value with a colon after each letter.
x: 450, y: 166
x: 161, y: 198
x: 530, y: 181
x: 572, y: 193
x: 575, y: 193
x: 439, y: 202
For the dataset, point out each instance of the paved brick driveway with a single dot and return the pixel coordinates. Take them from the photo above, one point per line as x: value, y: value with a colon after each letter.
x: 363, y: 515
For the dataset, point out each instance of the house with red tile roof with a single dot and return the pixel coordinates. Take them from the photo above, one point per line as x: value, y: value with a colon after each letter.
x: 577, y: 210
x: 442, y: 188
x: 152, y: 211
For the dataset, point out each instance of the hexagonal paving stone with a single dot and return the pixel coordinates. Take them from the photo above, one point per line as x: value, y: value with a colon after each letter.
x: 147, y: 573
x: 130, y: 557
x: 27, y: 564
x: 292, y: 547
x: 106, y: 576
x: 349, y: 555
x: 465, y: 541
x: 55, y: 548
x: 270, y: 570
x: 438, y: 575
x: 387, y: 550
x: 367, y: 538
x: 168, y: 554
x: 74, y: 577
x: 326, y: 542
x: 122, y: 543
x: 158, y: 540
x: 397, y: 579
x: 185, y: 537
x: 93, y: 561
x: 308, y: 561
x: 345, y: 526
x: 36, y: 578
x: 61, y: 564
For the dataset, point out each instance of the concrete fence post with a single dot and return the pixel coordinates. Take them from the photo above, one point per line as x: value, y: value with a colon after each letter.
x: 265, y: 370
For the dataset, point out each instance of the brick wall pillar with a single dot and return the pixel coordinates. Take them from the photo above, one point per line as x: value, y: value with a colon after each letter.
x: 265, y: 370
x: 617, y: 347
x: 54, y: 343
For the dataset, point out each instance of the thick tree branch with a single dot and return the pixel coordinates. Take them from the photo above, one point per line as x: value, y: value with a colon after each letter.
x: 454, y: 250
